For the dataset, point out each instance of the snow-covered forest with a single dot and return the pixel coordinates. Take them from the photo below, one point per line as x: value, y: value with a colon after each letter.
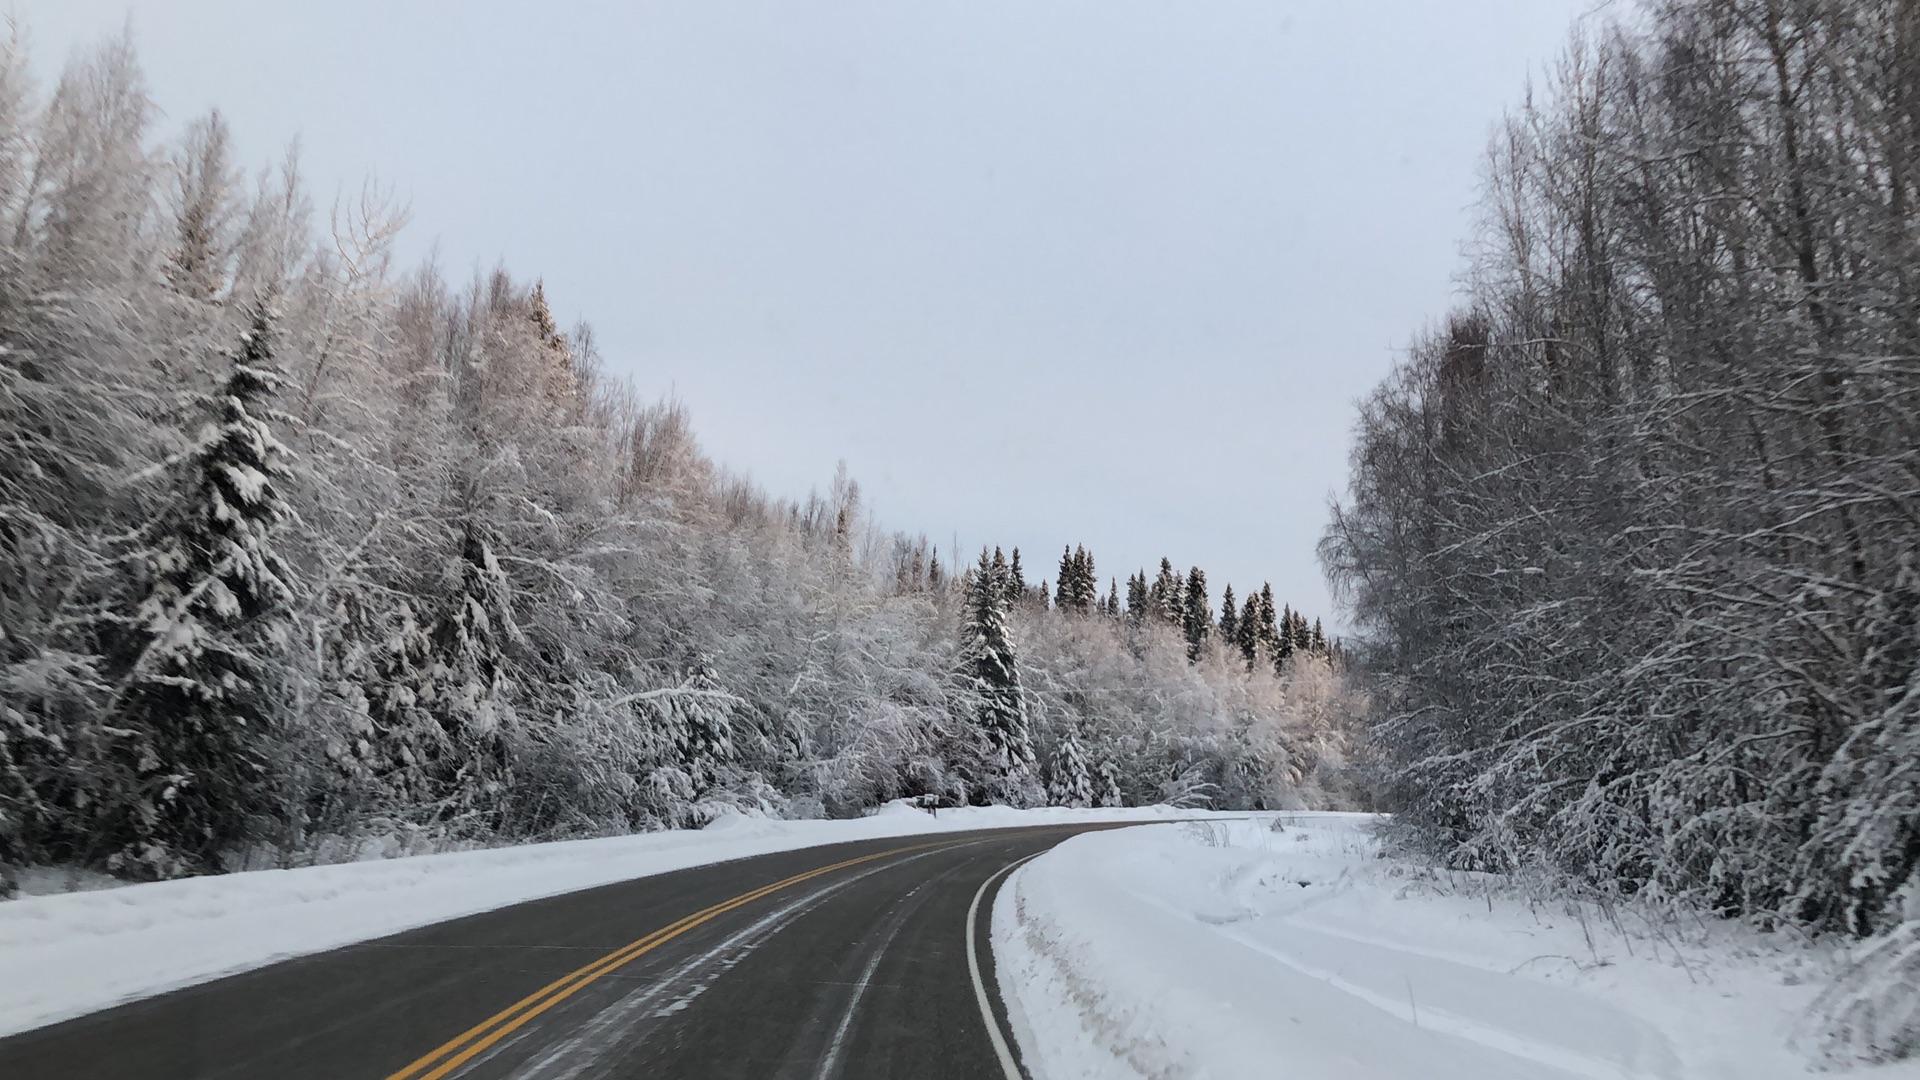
x: 1632, y: 538
x: 298, y: 545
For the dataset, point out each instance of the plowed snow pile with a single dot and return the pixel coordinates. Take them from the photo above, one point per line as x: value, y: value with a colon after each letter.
x: 1231, y: 949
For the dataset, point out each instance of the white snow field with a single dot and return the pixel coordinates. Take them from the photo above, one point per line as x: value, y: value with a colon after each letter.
x: 1225, y: 949
x: 66, y: 955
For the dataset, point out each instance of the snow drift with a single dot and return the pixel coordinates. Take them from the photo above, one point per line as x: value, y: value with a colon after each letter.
x: 1229, y: 949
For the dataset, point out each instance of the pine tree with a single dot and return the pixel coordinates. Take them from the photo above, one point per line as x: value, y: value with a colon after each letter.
x: 1167, y: 598
x: 556, y: 374
x: 1079, y: 587
x: 1110, y: 794
x: 935, y: 579
x: 1086, y: 580
x: 1017, y: 580
x: 197, y: 694
x: 1139, y: 602
x: 406, y: 745
x: 1284, y: 642
x: 699, y: 717
x: 992, y: 670
x: 1196, y: 617
x: 1317, y: 643
x: 1113, y: 598
x: 1067, y: 781
x: 1250, y: 630
x: 474, y: 691
x: 1229, y: 618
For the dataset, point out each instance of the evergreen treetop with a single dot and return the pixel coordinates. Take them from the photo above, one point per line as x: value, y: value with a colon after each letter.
x: 1139, y: 603
x: 1248, y: 638
x: 1196, y: 617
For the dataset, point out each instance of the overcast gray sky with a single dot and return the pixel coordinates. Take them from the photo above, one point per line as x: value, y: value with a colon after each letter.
x: 1099, y: 272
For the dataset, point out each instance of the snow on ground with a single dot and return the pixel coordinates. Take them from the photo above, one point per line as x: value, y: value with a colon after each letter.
x: 1228, y: 949
x: 65, y: 955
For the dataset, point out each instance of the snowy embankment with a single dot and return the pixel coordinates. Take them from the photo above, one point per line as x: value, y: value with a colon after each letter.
x: 1227, y: 949
x: 66, y: 955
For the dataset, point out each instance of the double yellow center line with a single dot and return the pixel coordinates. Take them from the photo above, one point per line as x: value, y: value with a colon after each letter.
x: 474, y: 1041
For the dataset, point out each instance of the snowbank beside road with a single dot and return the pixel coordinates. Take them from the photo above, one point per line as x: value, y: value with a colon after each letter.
x: 1225, y: 949
x: 66, y: 955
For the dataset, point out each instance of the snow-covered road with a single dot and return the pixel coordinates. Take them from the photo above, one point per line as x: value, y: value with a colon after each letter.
x: 70, y: 954
x: 1215, y: 948
x: 1228, y: 949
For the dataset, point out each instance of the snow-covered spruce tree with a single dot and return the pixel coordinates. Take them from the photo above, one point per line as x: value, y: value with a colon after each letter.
x: 1067, y: 589
x: 1067, y: 781
x: 1139, y: 601
x: 402, y: 746
x: 1285, y: 643
x: 1229, y: 619
x: 470, y: 690
x: 991, y: 671
x: 1248, y: 631
x: 1267, y: 630
x: 697, y: 718
x: 1109, y: 781
x: 196, y: 691
x: 1167, y: 597
x: 1196, y: 617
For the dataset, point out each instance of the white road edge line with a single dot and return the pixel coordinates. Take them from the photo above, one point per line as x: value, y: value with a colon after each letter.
x: 1000, y: 1048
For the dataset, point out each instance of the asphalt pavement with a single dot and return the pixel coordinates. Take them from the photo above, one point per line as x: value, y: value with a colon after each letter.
x: 844, y: 961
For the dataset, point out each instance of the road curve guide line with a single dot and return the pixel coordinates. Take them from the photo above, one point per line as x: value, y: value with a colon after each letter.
x: 1000, y: 1047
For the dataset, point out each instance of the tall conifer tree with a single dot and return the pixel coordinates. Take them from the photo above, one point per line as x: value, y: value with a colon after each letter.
x: 1068, y: 783
x: 1139, y: 602
x: 1248, y: 639
x: 1196, y: 618
x: 1167, y: 595
x: 992, y: 670
x: 1063, y: 587
x: 1086, y: 582
x: 196, y: 698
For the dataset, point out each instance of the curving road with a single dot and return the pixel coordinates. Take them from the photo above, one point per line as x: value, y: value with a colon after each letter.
x: 846, y: 961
